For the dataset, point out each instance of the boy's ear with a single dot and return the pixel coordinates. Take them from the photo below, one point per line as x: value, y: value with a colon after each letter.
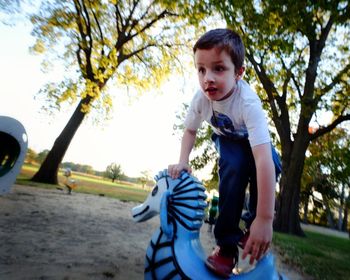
x: 240, y: 72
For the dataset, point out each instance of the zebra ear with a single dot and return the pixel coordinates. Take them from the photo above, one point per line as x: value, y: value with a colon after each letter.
x: 161, y: 174
x: 164, y: 223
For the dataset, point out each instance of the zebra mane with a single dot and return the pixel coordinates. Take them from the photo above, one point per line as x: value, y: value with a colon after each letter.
x: 186, y: 200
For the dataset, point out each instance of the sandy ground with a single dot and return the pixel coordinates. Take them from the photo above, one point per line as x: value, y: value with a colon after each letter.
x: 47, y: 234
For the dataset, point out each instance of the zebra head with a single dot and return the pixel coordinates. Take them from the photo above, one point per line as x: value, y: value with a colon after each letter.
x: 151, y: 205
x: 181, y: 200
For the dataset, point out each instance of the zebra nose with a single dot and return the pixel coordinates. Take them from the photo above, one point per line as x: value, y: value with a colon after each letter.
x: 139, y: 212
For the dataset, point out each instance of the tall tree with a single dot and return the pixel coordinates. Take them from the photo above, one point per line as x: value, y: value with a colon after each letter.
x: 133, y: 42
x: 298, y: 53
x: 114, y: 171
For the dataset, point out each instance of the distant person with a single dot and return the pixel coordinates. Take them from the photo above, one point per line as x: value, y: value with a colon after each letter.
x: 69, y: 183
x: 243, y: 143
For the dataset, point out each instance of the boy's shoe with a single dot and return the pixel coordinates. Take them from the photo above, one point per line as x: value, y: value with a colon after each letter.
x: 222, y: 262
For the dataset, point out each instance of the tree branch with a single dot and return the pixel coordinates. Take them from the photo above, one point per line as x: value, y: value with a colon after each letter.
x: 98, y: 25
x: 308, y: 100
x: 289, y: 76
x: 123, y: 57
x: 135, y: 4
x: 316, y: 48
x: 119, y: 19
x: 87, y: 46
x: 148, y: 25
x: 336, y: 79
x: 295, y: 81
x: 273, y: 96
x: 323, y: 130
x: 267, y: 83
x: 88, y: 26
x: 80, y: 62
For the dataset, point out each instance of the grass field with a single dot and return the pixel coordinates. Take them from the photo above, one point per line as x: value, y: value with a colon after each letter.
x: 320, y: 256
x: 89, y: 184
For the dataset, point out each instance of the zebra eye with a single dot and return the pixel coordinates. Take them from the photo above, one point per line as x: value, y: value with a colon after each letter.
x: 155, y: 190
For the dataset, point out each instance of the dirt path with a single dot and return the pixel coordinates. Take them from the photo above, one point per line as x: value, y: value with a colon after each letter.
x: 324, y: 230
x: 47, y: 234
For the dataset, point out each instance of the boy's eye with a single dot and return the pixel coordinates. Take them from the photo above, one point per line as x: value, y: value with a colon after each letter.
x: 201, y: 70
x: 219, y: 68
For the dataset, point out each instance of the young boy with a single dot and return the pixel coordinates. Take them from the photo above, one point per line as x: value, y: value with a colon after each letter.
x: 242, y: 140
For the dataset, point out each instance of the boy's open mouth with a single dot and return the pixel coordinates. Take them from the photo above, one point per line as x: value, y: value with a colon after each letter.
x: 211, y: 91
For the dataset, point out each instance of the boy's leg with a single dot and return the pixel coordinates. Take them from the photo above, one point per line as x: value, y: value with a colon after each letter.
x: 236, y: 163
x: 249, y: 216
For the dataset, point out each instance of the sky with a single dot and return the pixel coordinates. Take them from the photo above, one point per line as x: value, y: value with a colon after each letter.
x: 139, y: 136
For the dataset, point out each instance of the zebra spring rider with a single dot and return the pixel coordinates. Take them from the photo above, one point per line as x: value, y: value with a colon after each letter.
x: 13, y: 149
x: 175, y: 251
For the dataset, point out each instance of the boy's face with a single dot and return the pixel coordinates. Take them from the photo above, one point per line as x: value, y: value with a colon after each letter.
x: 216, y: 73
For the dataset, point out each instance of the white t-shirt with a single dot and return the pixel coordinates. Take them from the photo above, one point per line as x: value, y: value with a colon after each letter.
x: 238, y: 116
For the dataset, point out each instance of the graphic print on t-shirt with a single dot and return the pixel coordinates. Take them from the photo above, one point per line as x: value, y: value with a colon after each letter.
x: 225, y: 126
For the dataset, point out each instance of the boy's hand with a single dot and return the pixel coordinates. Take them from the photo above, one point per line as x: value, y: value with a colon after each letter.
x: 259, y: 239
x: 174, y: 170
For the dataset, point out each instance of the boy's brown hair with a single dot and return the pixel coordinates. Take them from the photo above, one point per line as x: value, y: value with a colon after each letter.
x: 224, y: 39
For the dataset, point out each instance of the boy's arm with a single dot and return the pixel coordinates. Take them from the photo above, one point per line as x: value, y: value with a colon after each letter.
x: 261, y: 229
x: 187, y: 144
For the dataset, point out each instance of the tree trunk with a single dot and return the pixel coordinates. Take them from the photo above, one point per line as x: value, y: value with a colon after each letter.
x: 49, y: 168
x: 345, y: 219
x: 340, y: 208
x: 287, y: 216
